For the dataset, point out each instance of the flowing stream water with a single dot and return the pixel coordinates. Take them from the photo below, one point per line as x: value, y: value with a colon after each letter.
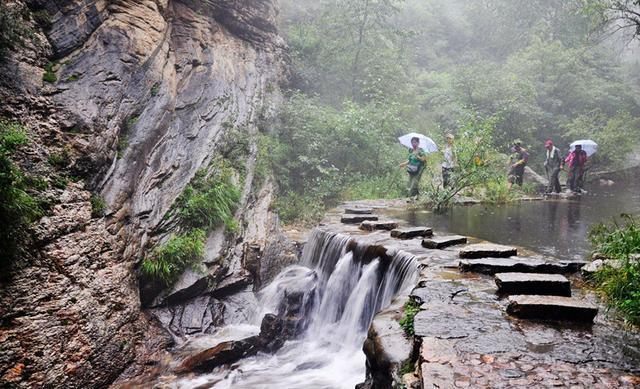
x: 345, y: 286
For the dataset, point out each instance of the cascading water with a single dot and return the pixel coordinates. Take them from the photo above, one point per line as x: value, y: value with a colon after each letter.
x: 345, y: 287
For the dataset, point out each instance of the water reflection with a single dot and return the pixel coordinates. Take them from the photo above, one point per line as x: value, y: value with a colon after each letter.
x: 554, y: 227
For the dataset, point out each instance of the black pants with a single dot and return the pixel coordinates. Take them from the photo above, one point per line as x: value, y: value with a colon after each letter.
x: 446, y: 176
x: 575, y: 178
x: 554, y: 181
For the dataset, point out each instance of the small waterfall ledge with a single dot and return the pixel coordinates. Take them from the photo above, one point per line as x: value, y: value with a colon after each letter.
x: 311, y: 322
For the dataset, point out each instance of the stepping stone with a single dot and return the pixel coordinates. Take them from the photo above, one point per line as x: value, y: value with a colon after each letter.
x: 518, y: 265
x: 358, y: 211
x: 483, y: 250
x: 440, y: 242
x: 412, y: 232
x: 551, y: 308
x: 533, y: 283
x: 352, y: 219
x: 369, y: 225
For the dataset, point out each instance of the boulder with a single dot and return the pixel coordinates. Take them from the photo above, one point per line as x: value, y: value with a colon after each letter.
x: 483, y: 250
x: 353, y: 218
x: 441, y: 242
x: 269, y: 340
x: 551, y: 308
x: 519, y: 265
x: 358, y: 211
x: 369, y: 225
x: 412, y: 232
x: 533, y: 283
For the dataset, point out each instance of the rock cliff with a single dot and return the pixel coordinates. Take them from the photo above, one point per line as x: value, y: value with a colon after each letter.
x: 140, y: 95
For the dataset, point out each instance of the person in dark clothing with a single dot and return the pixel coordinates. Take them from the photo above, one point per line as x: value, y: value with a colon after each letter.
x: 519, y: 160
x: 576, y: 161
x: 552, y: 165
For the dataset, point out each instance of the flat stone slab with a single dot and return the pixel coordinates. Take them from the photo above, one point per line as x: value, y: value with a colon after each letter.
x: 533, y: 283
x: 483, y: 250
x: 370, y: 225
x: 551, y: 308
x: 412, y: 232
x: 358, y: 211
x: 519, y: 265
x: 353, y: 219
x: 440, y: 242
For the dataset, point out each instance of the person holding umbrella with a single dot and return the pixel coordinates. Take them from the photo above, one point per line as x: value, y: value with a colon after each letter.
x: 552, y: 165
x: 414, y: 164
x: 576, y: 161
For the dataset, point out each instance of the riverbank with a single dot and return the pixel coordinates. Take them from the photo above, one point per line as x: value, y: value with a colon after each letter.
x: 465, y: 338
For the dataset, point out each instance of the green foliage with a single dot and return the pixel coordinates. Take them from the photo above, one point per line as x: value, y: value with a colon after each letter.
x: 59, y: 181
x: 18, y: 208
x: 209, y: 200
x: 60, y: 160
x: 411, y: 309
x: 98, y: 206
x: 620, y: 284
x: 155, y: 88
x: 49, y: 74
x: 170, y: 259
x: 73, y: 77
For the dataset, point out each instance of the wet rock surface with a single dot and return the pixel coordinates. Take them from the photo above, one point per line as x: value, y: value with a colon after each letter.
x: 355, y: 218
x: 358, y: 211
x: 378, y: 225
x: 441, y: 242
x: 520, y: 265
x: 411, y: 232
x: 533, y: 283
x: 469, y: 340
x: 551, y: 308
x: 483, y: 250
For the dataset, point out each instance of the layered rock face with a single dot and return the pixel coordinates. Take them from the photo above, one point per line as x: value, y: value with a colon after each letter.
x: 147, y: 93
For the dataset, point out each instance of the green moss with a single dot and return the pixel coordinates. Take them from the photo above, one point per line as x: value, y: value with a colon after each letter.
x: 123, y: 143
x: 49, y: 75
x: 59, y: 181
x: 411, y: 309
x: 73, y: 77
x: 170, y: 259
x: 98, y: 206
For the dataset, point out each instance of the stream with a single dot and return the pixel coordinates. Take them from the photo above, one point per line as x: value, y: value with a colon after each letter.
x: 557, y: 228
x: 345, y: 288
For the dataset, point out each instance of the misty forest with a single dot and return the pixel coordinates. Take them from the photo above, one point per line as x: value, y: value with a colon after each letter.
x: 337, y: 194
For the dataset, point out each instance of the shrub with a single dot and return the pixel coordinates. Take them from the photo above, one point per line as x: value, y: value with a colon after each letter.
x: 411, y: 309
x: 170, y: 259
x: 98, y: 206
x: 209, y: 200
x: 49, y: 75
x: 60, y: 160
x: 18, y: 208
x: 619, y: 284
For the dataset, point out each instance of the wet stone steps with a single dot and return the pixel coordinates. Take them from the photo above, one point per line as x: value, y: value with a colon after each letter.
x: 354, y: 219
x: 371, y: 225
x: 412, y: 232
x: 358, y: 211
x: 519, y: 265
x: 483, y: 250
x: 551, y: 308
x: 441, y: 242
x: 533, y: 284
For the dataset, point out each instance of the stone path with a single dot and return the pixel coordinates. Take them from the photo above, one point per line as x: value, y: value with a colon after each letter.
x: 468, y: 335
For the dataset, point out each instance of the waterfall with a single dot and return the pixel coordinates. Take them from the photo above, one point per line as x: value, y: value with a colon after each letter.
x: 345, y: 284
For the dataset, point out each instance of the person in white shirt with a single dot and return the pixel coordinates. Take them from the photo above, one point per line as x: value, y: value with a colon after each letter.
x: 449, y: 161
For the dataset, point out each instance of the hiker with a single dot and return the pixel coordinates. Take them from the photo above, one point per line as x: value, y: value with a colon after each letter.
x: 552, y: 165
x: 576, y: 161
x: 449, y: 161
x: 519, y: 159
x: 415, y: 165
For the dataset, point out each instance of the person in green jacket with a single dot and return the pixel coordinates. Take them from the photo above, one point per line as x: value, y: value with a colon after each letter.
x: 415, y: 165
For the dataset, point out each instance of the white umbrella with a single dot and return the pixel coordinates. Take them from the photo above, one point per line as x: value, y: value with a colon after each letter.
x: 587, y: 145
x: 426, y: 143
